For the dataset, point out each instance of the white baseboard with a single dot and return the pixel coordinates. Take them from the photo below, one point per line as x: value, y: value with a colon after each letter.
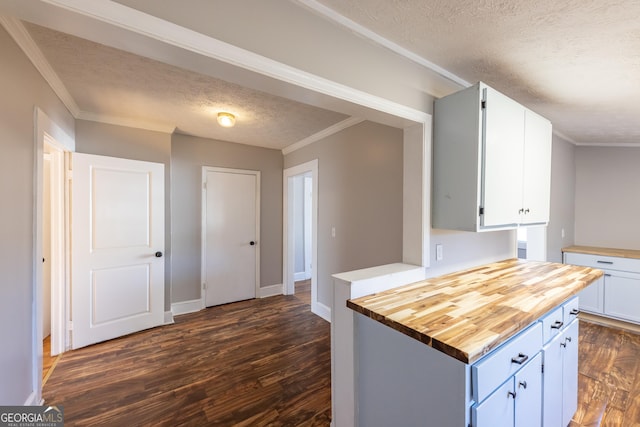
x: 321, y: 310
x: 302, y: 275
x: 270, y: 291
x: 168, y: 318
x: 184, y: 307
x: 31, y: 400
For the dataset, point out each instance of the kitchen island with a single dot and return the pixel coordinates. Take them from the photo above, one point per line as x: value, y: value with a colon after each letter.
x: 456, y: 350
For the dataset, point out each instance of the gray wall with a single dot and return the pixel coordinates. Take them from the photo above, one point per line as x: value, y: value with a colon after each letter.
x: 563, y: 186
x: 360, y: 194
x: 136, y: 144
x: 22, y: 89
x: 608, y: 197
x: 188, y: 155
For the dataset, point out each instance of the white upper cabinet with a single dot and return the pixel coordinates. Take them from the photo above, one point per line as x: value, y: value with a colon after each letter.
x: 491, y: 162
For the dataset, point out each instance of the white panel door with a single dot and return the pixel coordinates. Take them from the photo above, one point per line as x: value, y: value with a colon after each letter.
x: 230, y: 231
x: 117, y: 277
x: 503, y: 156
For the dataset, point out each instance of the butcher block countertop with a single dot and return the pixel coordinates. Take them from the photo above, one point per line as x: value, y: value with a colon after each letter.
x: 593, y: 250
x: 467, y: 314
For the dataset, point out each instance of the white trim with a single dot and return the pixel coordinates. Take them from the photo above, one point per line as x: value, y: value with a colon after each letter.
x: 203, y: 224
x: 23, y: 39
x: 32, y: 400
x: 167, y: 32
x: 44, y: 128
x: 126, y: 122
x: 318, y: 136
x: 342, y: 20
x: 323, y: 311
x: 168, y: 318
x: 563, y: 136
x: 270, y: 291
x: 287, y: 238
x: 185, y: 307
x: 612, y: 144
x: 301, y: 275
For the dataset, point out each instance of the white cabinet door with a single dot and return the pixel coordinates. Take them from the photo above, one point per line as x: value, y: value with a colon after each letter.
x: 537, y: 169
x: 591, y: 298
x: 497, y: 410
x: 528, y: 386
x: 570, y: 372
x: 622, y: 291
x: 503, y: 145
x: 552, y: 382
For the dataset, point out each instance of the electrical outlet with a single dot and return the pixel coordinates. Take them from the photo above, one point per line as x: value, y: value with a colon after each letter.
x: 439, y: 254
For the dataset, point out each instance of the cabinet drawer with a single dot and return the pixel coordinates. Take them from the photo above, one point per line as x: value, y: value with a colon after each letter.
x: 603, y: 262
x: 570, y: 311
x: 552, y: 323
x: 497, y: 366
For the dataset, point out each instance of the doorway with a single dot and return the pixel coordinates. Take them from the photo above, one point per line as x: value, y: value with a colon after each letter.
x: 300, y: 254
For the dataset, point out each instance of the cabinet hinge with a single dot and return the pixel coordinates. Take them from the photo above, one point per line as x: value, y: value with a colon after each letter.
x: 483, y: 105
x: 542, y: 368
x: 481, y: 211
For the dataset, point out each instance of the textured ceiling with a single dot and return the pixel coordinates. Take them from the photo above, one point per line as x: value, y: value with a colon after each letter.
x: 110, y: 83
x: 577, y: 62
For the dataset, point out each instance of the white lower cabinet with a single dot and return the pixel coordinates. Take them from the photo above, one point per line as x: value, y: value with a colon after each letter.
x: 518, y: 402
x: 617, y: 294
x: 622, y: 295
x: 560, y: 377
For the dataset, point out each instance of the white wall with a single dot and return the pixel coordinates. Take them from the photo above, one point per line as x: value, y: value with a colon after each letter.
x: 607, y: 198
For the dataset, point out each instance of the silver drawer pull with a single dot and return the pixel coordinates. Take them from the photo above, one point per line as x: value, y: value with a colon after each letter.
x: 512, y: 394
x: 557, y: 324
x: 574, y: 312
x: 520, y: 359
x: 523, y: 384
x: 605, y: 262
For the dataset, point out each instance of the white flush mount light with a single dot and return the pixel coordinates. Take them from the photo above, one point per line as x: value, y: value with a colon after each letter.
x: 226, y: 120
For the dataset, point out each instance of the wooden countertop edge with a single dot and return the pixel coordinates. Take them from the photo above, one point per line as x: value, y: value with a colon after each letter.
x: 465, y: 357
x: 595, y: 250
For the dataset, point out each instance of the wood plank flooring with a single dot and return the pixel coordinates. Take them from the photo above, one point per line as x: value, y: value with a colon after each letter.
x: 609, y: 378
x: 253, y: 363
x: 267, y: 362
x: 303, y: 291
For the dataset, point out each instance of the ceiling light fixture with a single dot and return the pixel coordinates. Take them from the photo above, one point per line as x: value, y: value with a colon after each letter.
x: 226, y: 119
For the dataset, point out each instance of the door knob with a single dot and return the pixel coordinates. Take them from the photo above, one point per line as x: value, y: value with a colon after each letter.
x: 252, y: 243
x: 158, y: 254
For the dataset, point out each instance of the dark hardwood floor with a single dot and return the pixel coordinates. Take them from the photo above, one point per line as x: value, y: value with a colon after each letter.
x: 252, y: 363
x: 609, y: 378
x: 303, y: 291
x: 266, y: 362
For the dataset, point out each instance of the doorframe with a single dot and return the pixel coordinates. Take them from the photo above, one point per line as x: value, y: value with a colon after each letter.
x: 203, y: 227
x: 288, y: 252
x: 46, y: 130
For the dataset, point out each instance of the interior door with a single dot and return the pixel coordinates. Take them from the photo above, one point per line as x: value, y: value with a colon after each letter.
x: 117, y: 275
x: 230, y: 230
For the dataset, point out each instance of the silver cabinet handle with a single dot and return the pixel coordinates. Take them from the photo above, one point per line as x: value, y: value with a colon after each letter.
x: 523, y: 384
x: 520, y: 359
x: 557, y: 324
x: 605, y: 262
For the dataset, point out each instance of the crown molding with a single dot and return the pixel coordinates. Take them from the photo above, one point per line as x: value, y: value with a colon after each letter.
x: 126, y: 122
x: 22, y: 37
x: 609, y: 144
x: 564, y: 137
x: 172, y: 34
x: 351, y: 121
x: 356, y: 28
